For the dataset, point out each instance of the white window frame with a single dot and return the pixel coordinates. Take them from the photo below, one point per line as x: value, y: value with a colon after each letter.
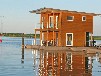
x: 42, y: 22
x: 57, y: 22
x: 42, y: 19
x: 72, y: 18
x: 72, y: 39
x: 49, y: 21
x: 42, y: 25
x: 83, y: 17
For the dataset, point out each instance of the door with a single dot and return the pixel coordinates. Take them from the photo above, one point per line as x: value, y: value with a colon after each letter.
x: 69, y: 39
x: 87, y: 39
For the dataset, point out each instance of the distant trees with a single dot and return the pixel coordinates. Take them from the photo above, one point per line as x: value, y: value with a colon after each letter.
x: 20, y: 35
x: 33, y: 35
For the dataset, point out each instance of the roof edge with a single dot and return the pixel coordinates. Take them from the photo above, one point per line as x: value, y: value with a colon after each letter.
x: 41, y: 10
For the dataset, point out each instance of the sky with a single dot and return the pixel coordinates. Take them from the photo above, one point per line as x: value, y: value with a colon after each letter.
x: 16, y: 18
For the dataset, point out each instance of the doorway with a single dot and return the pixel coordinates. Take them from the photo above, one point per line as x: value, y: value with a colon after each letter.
x: 87, y: 39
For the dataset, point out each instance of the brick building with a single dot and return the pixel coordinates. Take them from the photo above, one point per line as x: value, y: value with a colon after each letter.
x: 64, y: 28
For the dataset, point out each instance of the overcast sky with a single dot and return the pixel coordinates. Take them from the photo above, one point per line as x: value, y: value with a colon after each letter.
x: 18, y: 19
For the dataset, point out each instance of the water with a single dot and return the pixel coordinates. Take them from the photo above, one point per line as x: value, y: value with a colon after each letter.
x: 15, y: 61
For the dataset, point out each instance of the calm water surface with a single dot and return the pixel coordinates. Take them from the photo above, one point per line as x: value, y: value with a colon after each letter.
x: 15, y: 61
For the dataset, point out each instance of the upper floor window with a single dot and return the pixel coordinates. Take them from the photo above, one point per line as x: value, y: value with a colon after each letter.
x: 51, y: 21
x: 83, y: 18
x: 57, y: 22
x: 70, y: 18
x: 42, y: 23
x: 42, y: 19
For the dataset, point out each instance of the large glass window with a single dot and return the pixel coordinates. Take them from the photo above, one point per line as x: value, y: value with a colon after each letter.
x: 51, y: 22
x: 56, y: 22
x: 42, y: 25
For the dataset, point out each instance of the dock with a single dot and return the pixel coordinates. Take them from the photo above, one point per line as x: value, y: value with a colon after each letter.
x: 88, y: 50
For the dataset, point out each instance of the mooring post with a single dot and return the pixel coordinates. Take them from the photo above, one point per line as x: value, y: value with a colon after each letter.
x: 22, y: 59
x: 22, y: 40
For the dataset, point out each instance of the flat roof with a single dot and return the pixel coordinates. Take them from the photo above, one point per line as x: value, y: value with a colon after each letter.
x: 51, y: 10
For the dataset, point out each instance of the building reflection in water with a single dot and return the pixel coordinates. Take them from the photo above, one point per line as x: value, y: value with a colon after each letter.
x: 36, y: 58
x: 63, y: 63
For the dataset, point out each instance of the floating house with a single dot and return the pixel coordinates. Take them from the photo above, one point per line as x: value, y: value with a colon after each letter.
x: 64, y: 28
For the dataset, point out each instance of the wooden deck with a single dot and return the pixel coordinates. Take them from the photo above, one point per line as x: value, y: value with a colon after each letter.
x: 88, y: 50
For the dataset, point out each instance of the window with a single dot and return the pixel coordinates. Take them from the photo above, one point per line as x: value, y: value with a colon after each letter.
x: 69, y: 39
x: 70, y: 18
x: 56, y: 22
x: 42, y: 19
x: 51, y: 22
x: 83, y: 18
